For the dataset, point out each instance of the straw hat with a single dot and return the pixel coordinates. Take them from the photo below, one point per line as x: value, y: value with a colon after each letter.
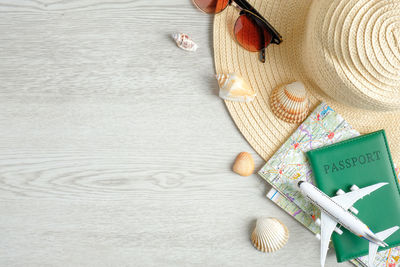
x: 346, y: 52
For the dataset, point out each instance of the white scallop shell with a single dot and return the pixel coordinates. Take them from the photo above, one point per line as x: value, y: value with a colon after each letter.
x: 290, y: 103
x: 185, y: 42
x: 234, y: 88
x: 269, y: 235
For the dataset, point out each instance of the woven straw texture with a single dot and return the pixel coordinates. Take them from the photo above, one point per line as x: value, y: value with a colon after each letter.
x: 353, y: 51
x: 292, y: 60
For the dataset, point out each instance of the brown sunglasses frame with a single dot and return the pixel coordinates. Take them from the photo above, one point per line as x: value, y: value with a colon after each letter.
x: 247, y: 9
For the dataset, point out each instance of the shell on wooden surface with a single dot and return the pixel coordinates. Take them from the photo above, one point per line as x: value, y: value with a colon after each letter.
x: 244, y: 164
x: 290, y: 103
x: 233, y: 87
x: 185, y: 42
x: 269, y: 235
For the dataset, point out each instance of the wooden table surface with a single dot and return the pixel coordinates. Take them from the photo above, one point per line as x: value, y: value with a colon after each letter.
x: 115, y: 149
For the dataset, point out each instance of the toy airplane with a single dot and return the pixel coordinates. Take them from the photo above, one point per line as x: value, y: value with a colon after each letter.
x: 334, y: 210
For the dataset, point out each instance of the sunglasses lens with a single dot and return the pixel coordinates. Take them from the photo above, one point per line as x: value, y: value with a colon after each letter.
x: 251, y: 33
x: 211, y: 6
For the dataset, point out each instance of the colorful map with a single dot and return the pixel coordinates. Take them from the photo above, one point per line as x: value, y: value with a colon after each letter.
x: 289, y: 165
x: 293, y: 210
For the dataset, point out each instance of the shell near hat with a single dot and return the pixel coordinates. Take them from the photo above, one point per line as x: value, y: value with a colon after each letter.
x: 346, y: 53
x: 352, y: 51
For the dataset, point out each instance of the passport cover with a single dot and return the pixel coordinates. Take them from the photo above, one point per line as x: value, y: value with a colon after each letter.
x: 363, y: 161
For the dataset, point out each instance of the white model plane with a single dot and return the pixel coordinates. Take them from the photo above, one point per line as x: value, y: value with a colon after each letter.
x: 334, y: 210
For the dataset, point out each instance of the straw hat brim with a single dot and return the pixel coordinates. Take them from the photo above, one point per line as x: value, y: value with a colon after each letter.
x: 261, y: 128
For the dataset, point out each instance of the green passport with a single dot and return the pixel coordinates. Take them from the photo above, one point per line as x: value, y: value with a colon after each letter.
x: 363, y: 161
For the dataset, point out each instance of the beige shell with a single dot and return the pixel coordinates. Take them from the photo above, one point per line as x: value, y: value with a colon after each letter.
x: 185, y: 42
x: 234, y: 88
x: 244, y: 164
x: 290, y: 103
x: 269, y: 235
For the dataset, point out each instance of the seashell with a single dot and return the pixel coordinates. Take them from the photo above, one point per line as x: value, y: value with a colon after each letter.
x: 290, y: 103
x: 232, y: 87
x: 269, y: 235
x: 244, y: 164
x: 185, y: 42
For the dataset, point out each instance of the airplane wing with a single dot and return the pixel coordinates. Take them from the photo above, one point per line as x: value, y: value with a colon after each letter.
x: 373, y: 248
x: 327, y: 227
x: 348, y: 199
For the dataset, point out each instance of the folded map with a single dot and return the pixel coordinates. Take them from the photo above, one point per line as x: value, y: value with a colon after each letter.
x: 289, y: 164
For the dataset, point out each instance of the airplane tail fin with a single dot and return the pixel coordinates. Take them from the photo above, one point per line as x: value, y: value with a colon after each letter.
x: 373, y: 248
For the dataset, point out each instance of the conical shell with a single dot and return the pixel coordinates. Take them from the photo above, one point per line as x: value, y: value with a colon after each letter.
x: 269, y: 235
x: 290, y: 103
x: 234, y: 88
x: 185, y: 42
x: 244, y: 164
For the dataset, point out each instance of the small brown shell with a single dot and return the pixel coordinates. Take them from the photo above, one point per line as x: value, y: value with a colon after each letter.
x: 244, y: 164
x: 290, y: 103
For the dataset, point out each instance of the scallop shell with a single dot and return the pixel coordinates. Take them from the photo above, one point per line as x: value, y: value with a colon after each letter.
x: 244, y: 164
x: 290, y: 103
x: 234, y: 88
x: 185, y: 42
x: 269, y: 235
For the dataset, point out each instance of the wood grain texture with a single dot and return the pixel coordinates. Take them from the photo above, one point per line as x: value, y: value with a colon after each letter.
x: 115, y: 149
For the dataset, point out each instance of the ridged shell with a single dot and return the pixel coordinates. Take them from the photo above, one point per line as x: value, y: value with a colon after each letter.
x: 234, y: 88
x: 244, y: 164
x: 269, y: 235
x: 290, y: 103
x: 185, y: 42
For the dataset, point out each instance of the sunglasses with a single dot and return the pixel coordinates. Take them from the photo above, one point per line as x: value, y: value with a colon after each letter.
x: 252, y: 31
